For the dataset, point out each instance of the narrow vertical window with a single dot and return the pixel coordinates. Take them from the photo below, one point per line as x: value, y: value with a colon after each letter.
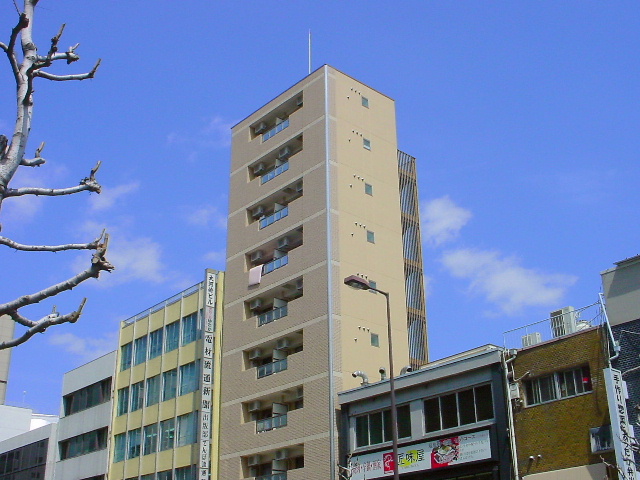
x: 167, y: 434
x: 365, y: 101
x: 133, y: 443
x: 371, y: 236
x: 375, y: 340
x: 140, y: 350
x: 125, y: 356
x: 366, y: 143
x: 368, y: 189
x: 137, y: 396
x: 153, y: 390
x: 155, y: 343
x: 123, y: 401
x: 172, y: 336
x: 169, y: 381
x: 120, y: 447
x: 150, y: 439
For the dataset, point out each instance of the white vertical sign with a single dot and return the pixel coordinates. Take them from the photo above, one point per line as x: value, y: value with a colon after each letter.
x: 621, y: 430
x: 204, y: 453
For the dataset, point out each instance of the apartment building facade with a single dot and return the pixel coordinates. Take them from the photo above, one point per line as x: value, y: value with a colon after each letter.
x: 167, y: 383
x: 314, y: 198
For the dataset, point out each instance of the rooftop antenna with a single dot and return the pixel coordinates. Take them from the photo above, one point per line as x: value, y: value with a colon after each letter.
x: 309, y: 51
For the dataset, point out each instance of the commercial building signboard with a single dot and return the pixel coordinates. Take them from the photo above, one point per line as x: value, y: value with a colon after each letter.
x: 206, y: 381
x: 439, y: 453
x: 621, y: 430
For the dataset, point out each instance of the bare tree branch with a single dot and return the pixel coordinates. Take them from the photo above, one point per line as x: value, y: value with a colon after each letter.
x: 64, y: 78
x: 49, y: 248
x: 98, y: 264
x: 86, y: 184
x: 41, y: 325
x: 32, y: 162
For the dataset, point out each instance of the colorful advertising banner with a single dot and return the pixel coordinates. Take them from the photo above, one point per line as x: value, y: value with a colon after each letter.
x: 204, y: 456
x: 423, y: 456
x: 620, y: 428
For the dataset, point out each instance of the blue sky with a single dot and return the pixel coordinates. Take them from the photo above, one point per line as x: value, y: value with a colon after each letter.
x: 523, y: 116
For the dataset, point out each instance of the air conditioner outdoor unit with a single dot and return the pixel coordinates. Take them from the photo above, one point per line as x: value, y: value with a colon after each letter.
x: 255, y: 353
x: 284, y: 153
x: 255, y: 406
x: 283, y: 244
x: 254, y: 460
x: 299, y: 101
x: 281, y: 454
x: 531, y: 339
x: 257, y: 255
x: 283, y: 344
x: 299, y: 284
x: 563, y: 321
x: 255, y: 304
x: 261, y: 127
x: 299, y: 393
x: 258, y: 169
x: 299, y: 188
x: 257, y: 212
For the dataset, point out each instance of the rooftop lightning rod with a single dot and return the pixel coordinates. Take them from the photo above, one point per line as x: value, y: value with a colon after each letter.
x: 309, y: 51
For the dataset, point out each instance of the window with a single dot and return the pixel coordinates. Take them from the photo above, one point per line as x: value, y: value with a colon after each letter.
x: 188, y: 378
x: 172, y: 335
x: 153, y: 390
x: 123, y: 401
x: 190, y: 328
x: 133, y: 443
x: 165, y: 475
x: 365, y: 101
x: 150, y: 439
x: 371, y: 236
x: 120, y: 441
x: 186, y: 473
x: 601, y: 439
x: 148, y: 476
x: 558, y: 385
x: 137, y: 396
x: 83, y: 444
x: 366, y: 143
x: 125, y: 356
x: 375, y: 340
x: 169, y: 381
x: 167, y: 432
x: 368, y: 189
x: 187, y: 425
x: 461, y: 408
x: 87, y: 397
x: 139, y: 350
x: 155, y: 343
x: 376, y: 427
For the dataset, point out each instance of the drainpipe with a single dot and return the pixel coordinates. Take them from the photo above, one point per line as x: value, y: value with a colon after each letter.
x: 512, y: 432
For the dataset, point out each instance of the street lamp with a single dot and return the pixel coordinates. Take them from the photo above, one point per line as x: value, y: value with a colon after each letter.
x: 361, y: 284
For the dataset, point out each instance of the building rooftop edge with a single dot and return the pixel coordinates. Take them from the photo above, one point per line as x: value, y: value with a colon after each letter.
x: 300, y: 81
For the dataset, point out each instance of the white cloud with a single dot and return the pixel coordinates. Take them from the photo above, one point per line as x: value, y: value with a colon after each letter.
x: 207, y: 215
x: 215, y: 132
x: 442, y: 220
x: 219, y: 130
x: 86, y: 348
x: 135, y: 258
x: 109, y: 196
x: 504, y: 282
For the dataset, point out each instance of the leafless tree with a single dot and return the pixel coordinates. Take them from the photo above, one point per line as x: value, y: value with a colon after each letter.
x: 26, y: 65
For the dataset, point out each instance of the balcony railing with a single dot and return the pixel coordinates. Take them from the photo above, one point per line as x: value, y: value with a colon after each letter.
x: 275, y: 264
x: 275, y: 130
x: 274, y: 217
x: 271, y: 423
x: 272, y: 315
x: 273, y: 476
x: 271, y: 368
x: 274, y: 173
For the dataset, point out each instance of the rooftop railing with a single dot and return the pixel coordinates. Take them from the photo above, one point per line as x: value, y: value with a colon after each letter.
x: 159, y: 306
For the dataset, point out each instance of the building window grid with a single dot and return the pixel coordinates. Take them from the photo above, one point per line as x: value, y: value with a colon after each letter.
x: 558, y: 385
x: 455, y: 409
x: 374, y: 428
x: 189, y: 377
x: 140, y: 350
x: 87, y: 397
x: 83, y: 444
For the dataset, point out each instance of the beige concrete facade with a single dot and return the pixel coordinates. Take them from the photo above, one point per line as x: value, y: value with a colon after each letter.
x: 166, y: 455
x: 328, y: 158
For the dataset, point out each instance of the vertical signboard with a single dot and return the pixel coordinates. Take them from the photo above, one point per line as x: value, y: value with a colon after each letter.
x: 204, y: 455
x: 620, y: 428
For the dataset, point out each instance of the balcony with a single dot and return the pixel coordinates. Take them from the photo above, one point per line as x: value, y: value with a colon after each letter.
x: 271, y: 423
x: 272, y: 315
x: 271, y: 368
x: 280, y: 169
x: 275, y: 264
x: 275, y: 130
x: 274, y: 217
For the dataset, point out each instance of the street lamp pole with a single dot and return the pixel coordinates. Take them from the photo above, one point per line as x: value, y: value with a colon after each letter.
x: 361, y: 284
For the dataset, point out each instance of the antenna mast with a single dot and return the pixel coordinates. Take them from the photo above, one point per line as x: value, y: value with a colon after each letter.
x: 309, y: 51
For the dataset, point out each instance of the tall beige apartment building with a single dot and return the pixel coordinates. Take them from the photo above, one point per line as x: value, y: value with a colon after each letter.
x: 318, y: 192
